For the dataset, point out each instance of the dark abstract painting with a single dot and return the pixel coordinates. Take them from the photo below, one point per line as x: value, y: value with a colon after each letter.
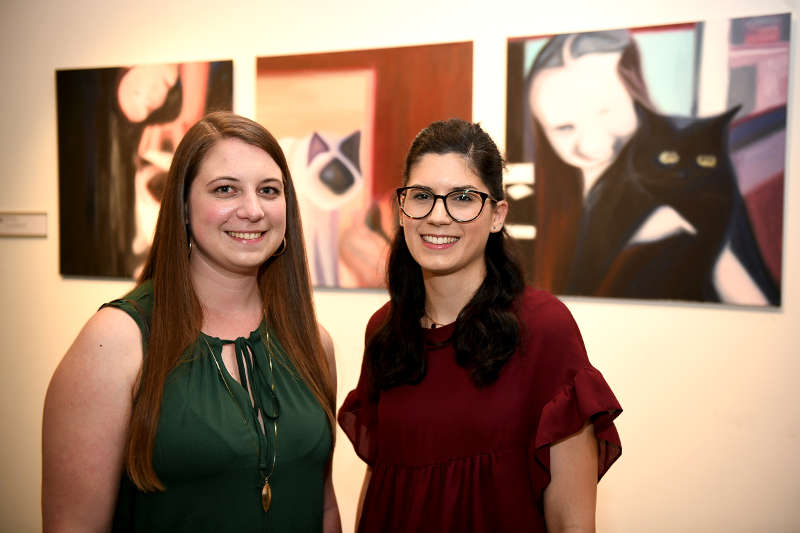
x: 117, y: 130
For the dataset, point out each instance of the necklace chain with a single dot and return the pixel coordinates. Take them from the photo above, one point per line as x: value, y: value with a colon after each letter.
x: 433, y: 324
x: 266, y: 491
x: 275, y: 419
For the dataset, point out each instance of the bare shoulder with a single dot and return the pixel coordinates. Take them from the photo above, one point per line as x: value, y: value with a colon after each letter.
x: 107, y: 353
x: 113, y: 325
x: 110, y: 341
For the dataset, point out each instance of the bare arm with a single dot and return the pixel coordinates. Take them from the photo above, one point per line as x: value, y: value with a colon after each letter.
x: 331, y: 521
x: 570, y: 498
x: 85, y: 424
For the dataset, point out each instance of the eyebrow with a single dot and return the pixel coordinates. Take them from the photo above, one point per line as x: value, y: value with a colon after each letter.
x: 234, y: 178
x: 452, y: 189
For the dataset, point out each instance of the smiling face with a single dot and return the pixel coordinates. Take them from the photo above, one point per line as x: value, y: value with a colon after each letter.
x: 236, y: 208
x: 585, y: 110
x: 437, y: 243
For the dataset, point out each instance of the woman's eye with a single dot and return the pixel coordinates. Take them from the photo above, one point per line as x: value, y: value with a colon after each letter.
x: 269, y: 190
x: 565, y: 128
x: 420, y: 195
x: 462, y: 196
x: 223, y: 189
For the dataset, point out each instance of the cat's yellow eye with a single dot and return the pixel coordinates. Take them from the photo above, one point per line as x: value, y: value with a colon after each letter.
x: 668, y: 157
x: 707, y: 160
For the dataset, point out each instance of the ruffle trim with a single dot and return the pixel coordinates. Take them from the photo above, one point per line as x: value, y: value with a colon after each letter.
x: 357, y: 419
x: 588, y: 398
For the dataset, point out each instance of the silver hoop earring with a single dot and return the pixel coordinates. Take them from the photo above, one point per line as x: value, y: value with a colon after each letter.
x: 281, y: 249
x: 190, y: 247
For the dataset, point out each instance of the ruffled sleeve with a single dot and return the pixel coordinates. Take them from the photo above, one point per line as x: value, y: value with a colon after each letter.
x: 570, y: 392
x: 358, y: 416
x: 587, y: 398
x: 358, y: 419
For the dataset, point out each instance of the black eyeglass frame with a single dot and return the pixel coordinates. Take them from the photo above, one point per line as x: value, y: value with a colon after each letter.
x: 403, y: 190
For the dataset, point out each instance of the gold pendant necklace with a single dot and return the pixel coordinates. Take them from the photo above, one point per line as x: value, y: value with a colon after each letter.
x: 266, y: 490
x: 266, y: 496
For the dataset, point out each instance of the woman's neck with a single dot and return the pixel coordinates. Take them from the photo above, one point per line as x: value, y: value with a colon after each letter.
x: 447, y: 295
x: 592, y: 174
x: 232, y: 305
x: 590, y: 177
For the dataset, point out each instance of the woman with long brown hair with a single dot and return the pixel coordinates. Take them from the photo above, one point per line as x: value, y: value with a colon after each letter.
x: 203, y: 400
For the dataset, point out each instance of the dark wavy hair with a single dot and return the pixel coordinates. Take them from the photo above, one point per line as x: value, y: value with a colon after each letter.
x: 487, y: 331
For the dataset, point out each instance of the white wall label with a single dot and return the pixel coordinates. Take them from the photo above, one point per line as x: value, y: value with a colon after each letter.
x: 23, y: 224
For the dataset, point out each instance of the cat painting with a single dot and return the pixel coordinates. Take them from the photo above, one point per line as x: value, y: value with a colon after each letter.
x: 666, y: 219
x: 327, y: 176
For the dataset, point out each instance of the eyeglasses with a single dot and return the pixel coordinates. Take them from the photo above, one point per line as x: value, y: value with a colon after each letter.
x: 463, y: 205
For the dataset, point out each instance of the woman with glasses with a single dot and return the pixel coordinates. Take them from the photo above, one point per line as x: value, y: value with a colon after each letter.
x: 477, y: 408
x: 204, y: 399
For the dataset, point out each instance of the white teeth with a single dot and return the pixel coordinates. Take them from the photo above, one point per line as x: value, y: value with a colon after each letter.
x: 248, y: 236
x: 439, y: 239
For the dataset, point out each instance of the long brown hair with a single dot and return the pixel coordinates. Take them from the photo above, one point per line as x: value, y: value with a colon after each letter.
x: 177, y: 316
x: 559, y: 186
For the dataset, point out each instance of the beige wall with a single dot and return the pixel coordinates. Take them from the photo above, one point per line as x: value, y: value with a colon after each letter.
x: 711, y: 428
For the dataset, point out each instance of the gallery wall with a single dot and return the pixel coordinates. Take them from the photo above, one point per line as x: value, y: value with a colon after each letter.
x: 711, y: 422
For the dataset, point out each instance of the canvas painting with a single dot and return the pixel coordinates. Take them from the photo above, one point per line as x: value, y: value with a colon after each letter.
x: 117, y: 130
x: 345, y: 121
x: 649, y: 162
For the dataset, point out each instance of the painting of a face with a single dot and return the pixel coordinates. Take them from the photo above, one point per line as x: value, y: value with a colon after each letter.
x: 584, y: 110
x: 144, y: 88
x: 118, y: 129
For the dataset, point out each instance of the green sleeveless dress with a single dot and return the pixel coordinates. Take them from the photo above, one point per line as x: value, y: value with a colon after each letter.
x: 209, y: 452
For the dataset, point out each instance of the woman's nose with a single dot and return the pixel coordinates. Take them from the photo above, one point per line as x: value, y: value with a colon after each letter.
x: 439, y: 214
x: 250, y: 207
x: 595, y: 143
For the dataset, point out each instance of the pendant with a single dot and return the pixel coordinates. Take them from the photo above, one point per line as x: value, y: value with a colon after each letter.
x: 266, y: 496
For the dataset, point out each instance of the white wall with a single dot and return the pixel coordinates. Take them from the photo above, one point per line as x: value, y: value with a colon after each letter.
x: 711, y: 426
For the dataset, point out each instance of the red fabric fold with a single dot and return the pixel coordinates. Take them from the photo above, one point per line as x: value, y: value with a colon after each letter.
x: 358, y: 415
x: 588, y: 398
x: 357, y: 418
x: 449, y: 456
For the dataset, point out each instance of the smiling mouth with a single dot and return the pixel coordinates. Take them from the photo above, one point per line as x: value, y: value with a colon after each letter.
x: 439, y: 239
x: 245, y: 235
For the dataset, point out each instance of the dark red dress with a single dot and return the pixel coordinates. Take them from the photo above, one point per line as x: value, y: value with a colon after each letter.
x: 447, y: 456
